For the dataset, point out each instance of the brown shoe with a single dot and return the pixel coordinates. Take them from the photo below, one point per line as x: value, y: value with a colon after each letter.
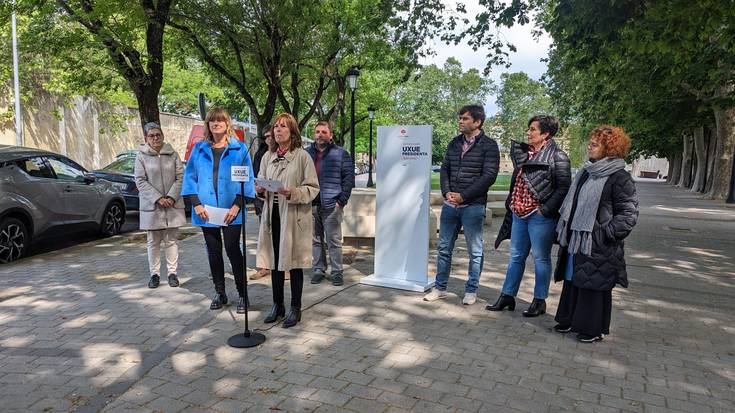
x: 263, y: 272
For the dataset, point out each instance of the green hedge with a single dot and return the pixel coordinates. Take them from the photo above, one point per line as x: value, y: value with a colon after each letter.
x: 502, y: 183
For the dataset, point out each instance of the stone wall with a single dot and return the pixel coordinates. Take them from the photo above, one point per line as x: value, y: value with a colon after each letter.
x: 651, y: 165
x: 88, y: 131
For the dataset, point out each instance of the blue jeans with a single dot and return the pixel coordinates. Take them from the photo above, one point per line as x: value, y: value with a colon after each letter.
x: 472, y: 219
x: 536, y: 234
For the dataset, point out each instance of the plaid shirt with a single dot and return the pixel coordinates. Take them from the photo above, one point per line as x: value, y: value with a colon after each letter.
x: 467, y: 144
x: 522, y: 201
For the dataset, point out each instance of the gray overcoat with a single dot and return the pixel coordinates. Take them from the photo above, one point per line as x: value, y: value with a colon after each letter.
x: 159, y: 174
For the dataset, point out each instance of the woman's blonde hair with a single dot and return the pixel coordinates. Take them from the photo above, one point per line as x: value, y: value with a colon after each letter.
x: 221, y: 115
x: 293, y: 127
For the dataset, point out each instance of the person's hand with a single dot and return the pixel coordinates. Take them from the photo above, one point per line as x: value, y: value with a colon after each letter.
x: 162, y: 201
x: 201, y: 212
x: 458, y: 198
x: 452, y: 198
x: 285, y: 192
x: 231, y: 214
x: 259, y: 189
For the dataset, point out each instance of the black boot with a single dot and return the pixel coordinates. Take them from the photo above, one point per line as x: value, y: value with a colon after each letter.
x: 503, y: 301
x: 293, y: 317
x: 242, y: 303
x: 218, y: 301
x: 278, y: 310
x: 537, y: 307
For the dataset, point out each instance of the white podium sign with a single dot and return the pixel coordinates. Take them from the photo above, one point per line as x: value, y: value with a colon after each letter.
x: 402, y: 202
x: 239, y: 173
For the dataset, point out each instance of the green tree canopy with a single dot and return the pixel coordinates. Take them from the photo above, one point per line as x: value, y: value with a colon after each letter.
x: 434, y: 96
x: 519, y: 98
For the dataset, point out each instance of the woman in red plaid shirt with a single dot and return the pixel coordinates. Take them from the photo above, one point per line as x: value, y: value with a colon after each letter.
x: 541, y: 179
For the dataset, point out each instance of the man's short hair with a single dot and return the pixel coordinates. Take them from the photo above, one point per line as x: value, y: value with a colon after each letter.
x: 324, y: 123
x: 546, y: 124
x: 477, y: 112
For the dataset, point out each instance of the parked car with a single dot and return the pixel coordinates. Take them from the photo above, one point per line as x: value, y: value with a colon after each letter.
x: 42, y: 191
x: 130, y: 153
x: 121, y: 173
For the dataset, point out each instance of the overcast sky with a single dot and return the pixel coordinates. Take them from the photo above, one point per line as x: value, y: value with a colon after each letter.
x: 526, y: 59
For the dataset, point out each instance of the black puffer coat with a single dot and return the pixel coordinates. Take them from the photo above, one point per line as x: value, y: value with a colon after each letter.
x: 473, y: 174
x: 548, y: 176
x: 616, y: 217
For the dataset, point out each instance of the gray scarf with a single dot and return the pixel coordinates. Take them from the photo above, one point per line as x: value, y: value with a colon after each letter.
x: 589, y: 200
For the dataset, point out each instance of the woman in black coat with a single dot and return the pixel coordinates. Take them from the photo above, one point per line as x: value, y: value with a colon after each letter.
x: 598, y: 213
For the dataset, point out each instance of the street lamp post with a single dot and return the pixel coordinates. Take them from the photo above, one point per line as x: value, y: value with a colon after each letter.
x: 371, y: 115
x: 352, y: 75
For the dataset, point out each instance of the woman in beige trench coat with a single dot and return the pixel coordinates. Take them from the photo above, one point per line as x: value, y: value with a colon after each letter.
x: 284, y: 241
x: 158, y: 176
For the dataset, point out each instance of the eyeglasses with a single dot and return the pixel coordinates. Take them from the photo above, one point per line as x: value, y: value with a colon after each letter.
x: 155, y: 135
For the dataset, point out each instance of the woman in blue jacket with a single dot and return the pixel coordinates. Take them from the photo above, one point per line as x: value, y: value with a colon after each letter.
x: 207, y: 183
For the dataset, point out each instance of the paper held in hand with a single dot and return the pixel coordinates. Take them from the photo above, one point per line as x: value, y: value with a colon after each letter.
x: 216, y: 215
x: 269, y: 185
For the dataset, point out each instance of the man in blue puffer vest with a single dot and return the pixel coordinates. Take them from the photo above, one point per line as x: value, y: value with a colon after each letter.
x: 336, y: 179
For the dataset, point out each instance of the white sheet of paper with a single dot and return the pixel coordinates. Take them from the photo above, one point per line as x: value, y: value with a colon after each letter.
x: 216, y: 215
x: 269, y: 184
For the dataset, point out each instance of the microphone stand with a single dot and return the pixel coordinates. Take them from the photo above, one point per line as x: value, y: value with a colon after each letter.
x: 248, y: 338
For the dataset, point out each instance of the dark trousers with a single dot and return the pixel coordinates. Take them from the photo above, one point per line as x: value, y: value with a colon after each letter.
x: 587, y: 311
x: 278, y: 278
x: 213, y: 240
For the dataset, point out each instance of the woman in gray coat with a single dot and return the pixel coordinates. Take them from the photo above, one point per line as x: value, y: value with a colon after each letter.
x: 159, y: 174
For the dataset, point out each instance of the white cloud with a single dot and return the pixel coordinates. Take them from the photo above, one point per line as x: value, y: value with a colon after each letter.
x: 527, y: 58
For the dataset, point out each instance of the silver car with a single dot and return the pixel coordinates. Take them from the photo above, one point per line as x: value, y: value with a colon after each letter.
x: 42, y: 191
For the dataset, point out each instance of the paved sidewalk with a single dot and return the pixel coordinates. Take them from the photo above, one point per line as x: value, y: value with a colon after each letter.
x: 79, y: 331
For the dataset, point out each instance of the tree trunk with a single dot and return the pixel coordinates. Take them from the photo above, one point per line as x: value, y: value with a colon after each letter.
x: 711, y: 145
x: 686, y: 162
x: 725, y: 121
x: 670, y: 170
x: 699, y: 152
x: 676, y: 169
x: 148, y: 105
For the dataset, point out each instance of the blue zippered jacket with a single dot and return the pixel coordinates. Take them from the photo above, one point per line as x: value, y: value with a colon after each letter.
x: 198, y: 177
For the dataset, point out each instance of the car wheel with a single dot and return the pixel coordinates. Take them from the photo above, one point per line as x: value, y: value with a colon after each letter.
x: 14, y: 239
x: 112, y: 220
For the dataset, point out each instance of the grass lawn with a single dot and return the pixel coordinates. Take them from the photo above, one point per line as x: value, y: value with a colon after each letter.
x: 502, y: 183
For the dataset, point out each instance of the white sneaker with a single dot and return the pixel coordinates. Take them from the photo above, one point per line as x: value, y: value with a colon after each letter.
x: 435, y: 294
x: 469, y: 298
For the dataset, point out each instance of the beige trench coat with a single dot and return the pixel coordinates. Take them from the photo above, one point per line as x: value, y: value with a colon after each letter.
x: 295, y: 171
x: 158, y: 175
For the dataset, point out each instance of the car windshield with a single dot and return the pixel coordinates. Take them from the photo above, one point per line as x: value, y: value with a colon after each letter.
x: 126, y: 165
